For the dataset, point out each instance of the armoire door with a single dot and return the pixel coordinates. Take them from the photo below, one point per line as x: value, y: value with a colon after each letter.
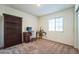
x: 12, y: 30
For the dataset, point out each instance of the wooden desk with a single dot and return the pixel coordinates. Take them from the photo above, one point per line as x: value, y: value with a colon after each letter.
x: 27, y: 36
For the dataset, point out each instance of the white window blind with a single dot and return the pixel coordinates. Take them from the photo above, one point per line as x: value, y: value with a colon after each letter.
x: 56, y: 24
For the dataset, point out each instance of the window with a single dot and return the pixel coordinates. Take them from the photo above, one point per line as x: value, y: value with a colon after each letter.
x: 56, y: 24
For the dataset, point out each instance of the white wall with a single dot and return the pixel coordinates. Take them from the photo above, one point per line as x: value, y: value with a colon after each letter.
x: 28, y: 20
x: 66, y: 37
x: 1, y: 32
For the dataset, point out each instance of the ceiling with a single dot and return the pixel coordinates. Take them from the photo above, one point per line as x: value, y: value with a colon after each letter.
x: 41, y: 10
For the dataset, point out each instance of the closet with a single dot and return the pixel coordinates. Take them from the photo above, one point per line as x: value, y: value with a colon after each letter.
x: 11, y: 28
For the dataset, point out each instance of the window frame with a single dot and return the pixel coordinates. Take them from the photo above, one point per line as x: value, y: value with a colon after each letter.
x: 55, y: 24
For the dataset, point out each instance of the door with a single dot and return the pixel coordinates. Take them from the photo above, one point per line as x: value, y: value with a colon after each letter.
x: 12, y: 30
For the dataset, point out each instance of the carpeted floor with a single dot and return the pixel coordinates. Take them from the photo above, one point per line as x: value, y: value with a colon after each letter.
x: 40, y: 46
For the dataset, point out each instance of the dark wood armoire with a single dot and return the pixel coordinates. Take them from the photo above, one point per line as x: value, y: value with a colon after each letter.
x: 12, y: 30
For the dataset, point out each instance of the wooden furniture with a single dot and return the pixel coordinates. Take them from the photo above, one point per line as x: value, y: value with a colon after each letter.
x: 40, y: 34
x: 27, y: 36
x: 37, y: 35
x: 12, y: 30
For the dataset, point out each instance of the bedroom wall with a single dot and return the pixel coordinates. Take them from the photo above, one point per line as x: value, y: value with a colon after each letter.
x: 66, y: 37
x: 28, y: 20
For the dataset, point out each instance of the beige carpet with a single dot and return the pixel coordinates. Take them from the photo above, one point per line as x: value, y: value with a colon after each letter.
x: 40, y: 46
